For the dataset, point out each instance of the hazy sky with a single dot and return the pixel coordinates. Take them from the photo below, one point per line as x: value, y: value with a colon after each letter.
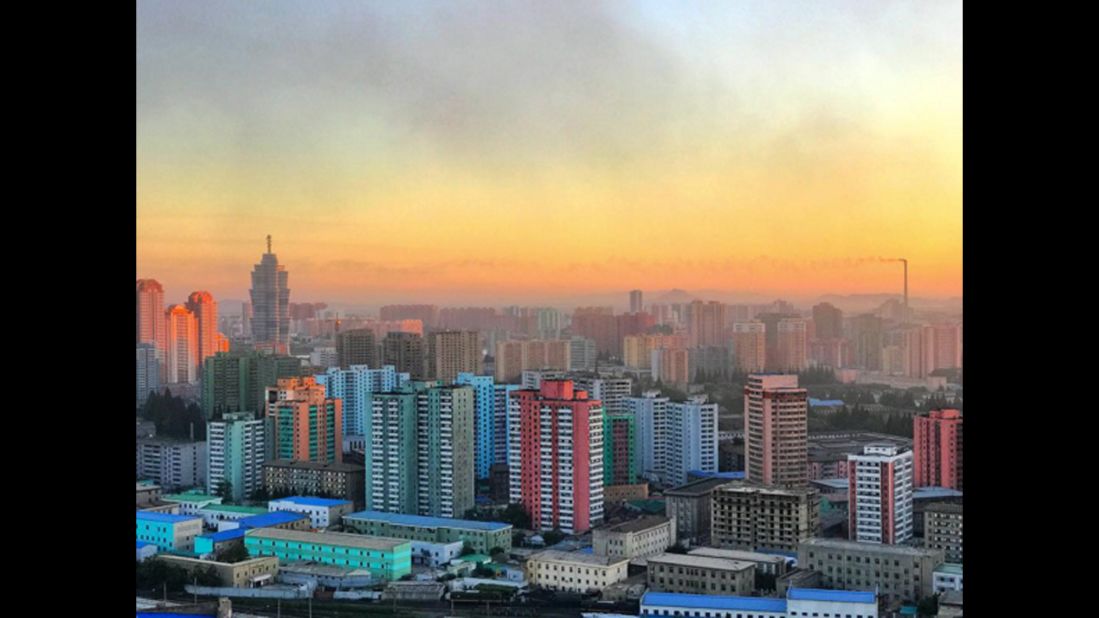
x: 455, y: 151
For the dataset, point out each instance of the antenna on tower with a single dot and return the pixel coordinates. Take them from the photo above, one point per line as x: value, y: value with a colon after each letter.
x: 269, y: 243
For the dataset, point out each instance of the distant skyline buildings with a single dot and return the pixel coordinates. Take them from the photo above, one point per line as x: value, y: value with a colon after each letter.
x: 270, y: 295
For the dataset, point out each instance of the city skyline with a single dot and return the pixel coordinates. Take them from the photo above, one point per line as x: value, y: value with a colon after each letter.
x: 765, y: 148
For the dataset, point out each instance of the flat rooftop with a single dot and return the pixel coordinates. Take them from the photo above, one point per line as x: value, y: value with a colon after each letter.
x: 310, y: 465
x: 713, y: 602
x: 233, y: 508
x: 697, y: 488
x: 189, y: 498
x: 358, y: 541
x: 736, y: 554
x: 702, y: 562
x: 423, y: 521
x: 273, y: 518
x: 313, y: 501
x: 224, y: 535
x: 553, y: 555
x: 165, y: 518
x: 844, y: 545
x: 834, y: 596
x: 951, y: 568
x: 636, y: 525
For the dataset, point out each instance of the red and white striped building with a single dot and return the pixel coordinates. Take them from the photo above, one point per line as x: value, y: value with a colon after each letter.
x: 879, y: 494
x: 555, y: 456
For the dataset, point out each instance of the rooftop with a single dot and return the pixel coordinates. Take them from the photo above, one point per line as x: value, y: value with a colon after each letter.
x: 736, y: 554
x: 164, y: 518
x: 553, y: 555
x: 190, y: 497
x: 950, y: 568
x: 274, y: 518
x: 929, y: 493
x: 310, y: 465
x: 835, y: 596
x: 844, y: 545
x: 312, y: 501
x: 697, y: 488
x: 731, y: 475
x: 705, y: 562
x: 141, y: 544
x: 429, y: 522
x: 341, y: 539
x: 944, y: 507
x: 224, y: 535
x: 713, y: 601
x: 234, y: 508
x: 637, y: 525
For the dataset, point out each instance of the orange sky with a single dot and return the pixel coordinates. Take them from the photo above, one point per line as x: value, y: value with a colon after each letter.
x: 755, y: 148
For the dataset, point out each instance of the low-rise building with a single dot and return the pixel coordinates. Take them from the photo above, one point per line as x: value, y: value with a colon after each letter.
x: 145, y: 550
x: 282, y: 520
x: 948, y: 576
x: 342, y: 480
x: 638, y: 538
x: 756, y: 518
x: 215, y: 542
x: 798, y: 602
x: 168, y: 532
x: 191, y: 502
x: 214, y: 514
x: 574, y: 571
x: 898, y: 572
x: 691, y: 506
x: 483, y: 536
x: 386, y: 559
x: 172, y: 464
x: 243, y: 574
x: 625, y: 493
x: 943, y: 529
x: 769, y: 564
x: 700, y: 575
x: 322, y: 512
x: 147, y: 493
x: 435, y: 554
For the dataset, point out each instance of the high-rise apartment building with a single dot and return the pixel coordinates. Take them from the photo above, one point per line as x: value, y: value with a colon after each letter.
x: 776, y: 417
x: 619, y: 439
x: 600, y: 325
x: 937, y: 447
x: 755, y: 518
x: 637, y: 349
x: 672, y: 366
x: 866, y: 333
x: 270, y: 295
x: 205, y: 309
x: 148, y: 370
x: 750, y: 346
x: 793, y: 345
x: 405, y: 351
x: 827, y: 321
x: 233, y: 382
x: 612, y: 392
x: 502, y: 394
x: 356, y: 347
x: 182, y: 358
x: 706, y: 324
x: 555, y: 457
x: 942, y: 346
x: 353, y: 385
x: 391, y: 477
x: 306, y: 424
x: 151, y: 324
x: 635, y: 302
x: 236, y: 448
x: 172, y: 464
x: 484, y: 421
x: 452, y: 352
x: 515, y: 357
x: 583, y: 354
x: 879, y: 494
x: 674, y: 438
x: 943, y: 530
x: 770, y: 322
x: 444, y: 451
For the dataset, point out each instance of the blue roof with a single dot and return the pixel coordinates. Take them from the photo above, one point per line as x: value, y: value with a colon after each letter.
x: 716, y: 475
x: 224, y: 535
x: 141, y: 544
x: 312, y: 501
x: 836, y: 596
x: 825, y: 402
x: 587, y: 550
x: 273, y: 518
x: 164, y: 518
x: 935, y: 492
x: 713, y: 601
x: 422, y: 520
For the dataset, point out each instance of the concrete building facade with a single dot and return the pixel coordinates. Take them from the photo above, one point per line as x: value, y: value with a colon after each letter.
x: 638, y: 538
x: 756, y: 518
x: 776, y: 417
x: 695, y: 574
x: 898, y: 572
x: 236, y: 449
x: 574, y: 571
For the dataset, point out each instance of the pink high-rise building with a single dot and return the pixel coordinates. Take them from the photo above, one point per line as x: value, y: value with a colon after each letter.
x: 937, y: 445
x: 205, y: 310
x: 151, y: 326
x: 942, y: 346
x: 776, y: 431
x: 879, y: 494
x: 555, y: 456
x: 793, y: 345
x: 706, y: 324
x: 182, y: 357
x: 750, y: 346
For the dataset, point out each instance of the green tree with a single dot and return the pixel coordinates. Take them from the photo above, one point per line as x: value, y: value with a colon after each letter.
x: 553, y: 537
x: 225, y: 490
x: 233, y: 553
x: 928, y: 606
x: 206, y: 576
x: 467, y: 549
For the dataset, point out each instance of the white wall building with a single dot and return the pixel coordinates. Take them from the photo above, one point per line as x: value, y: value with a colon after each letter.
x: 354, y: 385
x: 236, y: 448
x: 435, y: 554
x: 947, y: 576
x: 322, y: 512
x: 172, y: 464
x: 613, y: 392
x: 674, y: 437
x: 574, y: 571
x: 880, y: 494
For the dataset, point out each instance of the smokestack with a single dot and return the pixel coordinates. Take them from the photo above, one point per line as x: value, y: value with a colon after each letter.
x: 905, y: 288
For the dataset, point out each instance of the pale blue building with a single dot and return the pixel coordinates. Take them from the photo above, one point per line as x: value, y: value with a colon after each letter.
x: 354, y: 386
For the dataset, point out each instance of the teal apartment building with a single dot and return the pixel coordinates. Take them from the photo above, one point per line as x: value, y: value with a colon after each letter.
x: 168, y: 532
x: 387, y: 559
